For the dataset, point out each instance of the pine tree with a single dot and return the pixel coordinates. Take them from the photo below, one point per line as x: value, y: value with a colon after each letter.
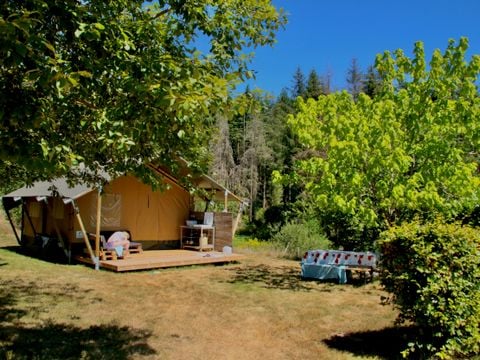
x: 327, y: 82
x: 372, y: 81
x: 355, y: 79
x: 299, y: 87
x: 314, y: 86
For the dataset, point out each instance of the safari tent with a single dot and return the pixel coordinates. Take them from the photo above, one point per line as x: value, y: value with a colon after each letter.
x: 57, y: 215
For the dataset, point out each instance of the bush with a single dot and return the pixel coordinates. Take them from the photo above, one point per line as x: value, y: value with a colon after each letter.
x: 346, y: 232
x: 267, y: 222
x: 294, y: 239
x: 433, y: 272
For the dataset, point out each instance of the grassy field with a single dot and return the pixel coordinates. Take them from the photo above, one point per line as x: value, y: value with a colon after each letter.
x: 257, y: 309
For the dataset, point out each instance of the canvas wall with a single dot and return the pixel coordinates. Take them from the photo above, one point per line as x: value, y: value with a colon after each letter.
x: 129, y: 204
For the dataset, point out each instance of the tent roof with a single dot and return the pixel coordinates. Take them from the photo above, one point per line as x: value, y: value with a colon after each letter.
x: 48, y: 188
x: 63, y: 189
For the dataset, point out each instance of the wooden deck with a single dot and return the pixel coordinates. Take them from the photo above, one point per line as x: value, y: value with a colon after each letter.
x: 156, y: 259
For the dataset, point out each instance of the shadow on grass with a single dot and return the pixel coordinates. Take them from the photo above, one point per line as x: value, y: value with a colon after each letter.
x: 273, y: 277
x: 22, y: 338
x: 50, y: 254
x: 13, y: 248
x: 385, y: 344
x: 61, y: 341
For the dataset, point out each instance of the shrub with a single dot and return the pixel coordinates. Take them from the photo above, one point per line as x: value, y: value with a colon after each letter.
x: 346, y: 232
x: 266, y: 222
x: 294, y: 239
x: 433, y: 272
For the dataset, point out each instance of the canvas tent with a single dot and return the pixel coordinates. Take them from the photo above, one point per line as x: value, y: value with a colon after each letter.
x: 55, y: 210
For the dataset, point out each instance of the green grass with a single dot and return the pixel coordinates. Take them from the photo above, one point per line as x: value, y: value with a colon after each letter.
x: 259, y: 308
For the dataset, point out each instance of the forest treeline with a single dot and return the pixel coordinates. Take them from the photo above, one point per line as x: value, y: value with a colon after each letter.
x: 255, y: 141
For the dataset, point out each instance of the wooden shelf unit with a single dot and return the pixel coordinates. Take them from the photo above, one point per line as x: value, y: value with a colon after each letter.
x: 190, y: 237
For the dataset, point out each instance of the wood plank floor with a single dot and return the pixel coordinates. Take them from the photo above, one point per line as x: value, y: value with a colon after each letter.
x: 155, y: 259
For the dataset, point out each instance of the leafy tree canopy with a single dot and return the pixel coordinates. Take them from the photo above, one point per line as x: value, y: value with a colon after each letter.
x: 117, y: 84
x: 410, y: 150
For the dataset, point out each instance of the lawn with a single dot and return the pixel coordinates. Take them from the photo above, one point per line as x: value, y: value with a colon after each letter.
x: 256, y: 309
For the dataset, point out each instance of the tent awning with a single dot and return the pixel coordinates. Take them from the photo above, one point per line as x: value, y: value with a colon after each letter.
x: 49, y: 188
x: 206, y: 183
x: 58, y: 187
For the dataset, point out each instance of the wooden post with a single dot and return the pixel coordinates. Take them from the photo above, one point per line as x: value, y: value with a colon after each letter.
x: 85, y: 235
x: 225, y: 206
x: 99, y: 222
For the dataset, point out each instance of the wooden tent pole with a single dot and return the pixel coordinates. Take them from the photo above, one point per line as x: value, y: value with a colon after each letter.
x: 85, y: 235
x: 99, y: 222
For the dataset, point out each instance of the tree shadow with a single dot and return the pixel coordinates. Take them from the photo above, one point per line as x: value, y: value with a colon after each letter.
x: 26, y: 339
x: 273, y: 277
x: 29, y: 292
x: 385, y: 344
x: 62, y: 341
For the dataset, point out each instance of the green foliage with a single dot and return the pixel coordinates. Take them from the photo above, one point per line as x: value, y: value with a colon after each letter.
x: 266, y: 222
x: 243, y: 243
x: 339, y: 226
x: 294, y: 239
x: 433, y: 271
x: 411, y: 150
x: 117, y: 85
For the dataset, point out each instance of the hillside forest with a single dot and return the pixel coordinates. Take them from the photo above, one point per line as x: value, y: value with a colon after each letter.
x: 256, y: 142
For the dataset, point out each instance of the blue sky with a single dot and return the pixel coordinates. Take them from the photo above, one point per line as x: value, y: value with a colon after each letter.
x: 326, y: 34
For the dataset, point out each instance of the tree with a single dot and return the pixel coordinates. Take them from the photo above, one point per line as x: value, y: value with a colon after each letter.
x: 253, y: 162
x: 412, y: 150
x: 116, y: 84
x: 327, y: 82
x: 314, y: 86
x: 355, y: 79
x: 372, y: 82
x: 223, y: 165
x: 299, y: 86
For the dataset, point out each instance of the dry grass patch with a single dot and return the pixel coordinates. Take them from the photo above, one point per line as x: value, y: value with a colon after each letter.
x: 259, y: 308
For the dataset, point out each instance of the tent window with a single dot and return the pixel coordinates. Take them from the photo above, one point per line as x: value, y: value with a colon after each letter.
x: 111, y: 211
